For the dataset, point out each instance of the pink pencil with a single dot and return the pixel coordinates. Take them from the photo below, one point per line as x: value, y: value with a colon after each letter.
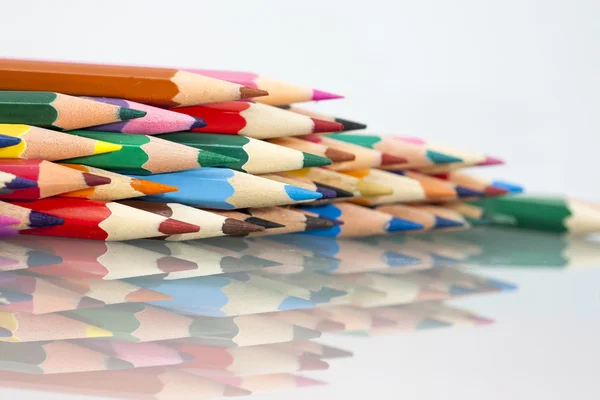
x: 7, y: 221
x: 280, y: 92
x: 6, y: 231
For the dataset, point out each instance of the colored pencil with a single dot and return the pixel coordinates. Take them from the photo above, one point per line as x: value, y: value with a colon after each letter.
x: 405, y: 188
x: 219, y: 296
x: 138, y: 355
x: 58, y: 111
x: 242, y: 216
x: 7, y: 221
x: 100, y: 220
x: 8, y: 141
x: 10, y: 183
x: 292, y: 220
x: 244, y: 361
x: 254, y: 156
x: 156, y: 120
x: 280, y: 92
x: 475, y: 215
x: 22, y: 257
x: 476, y: 186
x: 45, y: 144
x: 226, y: 189
x: 49, y: 358
x: 268, y: 382
x: 90, y: 259
x: 6, y: 231
x: 328, y: 192
x: 166, y: 87
x: 348, y: 124
x: 420, y: 216
x: 29, y: 218
x: 416, y: 155
x: 211, y: 224
x: 137, y: 383
x: 144, y: 155
x: 314, y: 148
x: 359, y: 187
x: 52, y: 179
x: 546, y: 213
x: 120, y: 186
x: 444, y: 214
x: 258, y: 121
x: 359, y: 221
x: 308, y: 346
x: 25, y: 327
x: 363, y: 157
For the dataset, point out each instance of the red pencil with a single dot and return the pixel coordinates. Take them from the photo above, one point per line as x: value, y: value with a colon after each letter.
x: 103, y: 220
x: 254, y: 120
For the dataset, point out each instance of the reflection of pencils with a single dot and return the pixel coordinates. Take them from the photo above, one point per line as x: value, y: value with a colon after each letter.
x: 59, y: 111
x: 100, y: 220
x: 268, y: 382
x: 255, y: 156
x: 165, y: 87
x: 143, y: 155
x: 254, y: 120
x: 20, y: 257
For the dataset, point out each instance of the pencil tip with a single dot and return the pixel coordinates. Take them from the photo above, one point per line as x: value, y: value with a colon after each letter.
x: 322, y: 126
x: 198, y: 123
x: 21, y: 183
x: 95, y: 180
x: 319, y: 95
x: 129, y: 113
x: 88, y: 302
x: 489, y: 160
x: 441, y: 158
x: 236, y: 227
x: 334, y: 352
x: 247, y: 92
x: 143, y: 295
x: 172, y: 226
x: 496, y: 191
x: 298, y: 194
x: 318, y: 223
x: 210, y: 159
x: 511, y: 187
x: 338, y: 155
x: 170, y: 264
x: 463, y: 191
x: 264, y: 223
x: 398, y: 224
x: 441, y: 223
x: 327, y: 193
x: 350, y: 125
x: 149, y: 188
x: 8, y: 141
x: 41, y: 220
x: 389, y: 159
x: 338, y: 192
x: 309, y: 362
x: 311, y: 160
x: 106, y: 147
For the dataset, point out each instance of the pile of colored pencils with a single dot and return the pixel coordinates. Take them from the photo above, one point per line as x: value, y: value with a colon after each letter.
x: 275, y: 223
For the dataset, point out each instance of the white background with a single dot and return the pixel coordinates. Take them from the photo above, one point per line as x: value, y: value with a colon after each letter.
x: 513, y: 78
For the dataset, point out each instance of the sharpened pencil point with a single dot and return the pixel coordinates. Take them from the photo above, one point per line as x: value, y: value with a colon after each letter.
x: 106, y: 147
x: 21, y: 183
x: 198, y: 123
x: 350, y: 125
x: 335, y: 222
x: 441, y: 223
x: 210, y: 159
x: 318, y: 223
x: 495, y: 191
x: 327, y: 193
x: 298, y: 194
x: 309, y: 362
x: 338, y: 155
x: 232, y: 391
x: 479, y: 321
x: 311, y: 160
x: 236, y: 227
x: 149, y: 188
x: 389, y: 159
x: 264, y: 223
x: 129, y: 113
x: 338, y: 192
x: 511, y: 187
x: 41, y: 220
x: 173, y: 227
x: 301, y: 333
x: 247, y: 92
x: 372, y: 189
x: 441, y: 158
x: 462, y: 191
x: 398, y: 224
x: 319, y: 95
x: 8, y: 141
x: 489, y: 160
x: 334, y: 352
x: 504, y: 286
x: 321, y: 126
x: 95, y: 180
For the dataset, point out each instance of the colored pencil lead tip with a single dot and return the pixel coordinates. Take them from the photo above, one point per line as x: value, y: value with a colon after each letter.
x: 106, y: 147
x: 511, y: 187
x: 335, y: 222
x: 327, y: 193
x: 95, y: 180
x: 298, y: 194
x: 41, y: 220
x: 21, y: 183
x: 441, y: 158
x: 333, y: 352
x: 129, y: 113
x: 198, y: 123
x: 173, y: 264
x: 94, y: 332
x: 388, y: 159
x: 247, y: 92
x: 350, y: 125
x: 398, y: 224
x: 264, y: 223
x: 311, y: 160
x: 309, y: 362
x: 338, y: 192
x: 210, y: 159
x: 319, y: 95
x: 318, y: 223
x: 462, y: 191
x: 339, y: 155
x: 173, y: 227
x: 232, y: 391
x: 39, y: 258
x: 372, y: 189
x: 7, y: 221
x: 301, y: 333
x: 88, y: 302
x: 441, y: 223
x: 5, y: 333
x: 236, y: 227
x: 114, y: 364
x: 7, y: 141
x: 302, y: 381
x: 489, y: 160
x: 503, y: 286
x: 482, y: 321
x: 321, y: 126
x: 148, y: 187
x: 496, y: 191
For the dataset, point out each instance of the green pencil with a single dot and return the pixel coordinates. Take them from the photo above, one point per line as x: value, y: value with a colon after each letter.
x: 147, y: 155
x: 255, y: 156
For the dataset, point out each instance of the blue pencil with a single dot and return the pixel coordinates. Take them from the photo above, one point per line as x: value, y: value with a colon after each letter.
x: 226, y: 189
x: 10, y: 182
x: 220, y: 296
x: 7, y: 141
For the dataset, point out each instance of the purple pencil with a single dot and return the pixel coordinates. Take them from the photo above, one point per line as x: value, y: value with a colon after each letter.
x: 156, y: 121
x: 7, y: 221
x: 7, y: 231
